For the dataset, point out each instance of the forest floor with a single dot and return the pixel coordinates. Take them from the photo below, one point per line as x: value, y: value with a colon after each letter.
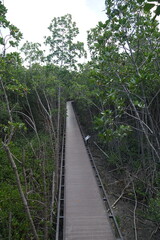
x: 124, y: 208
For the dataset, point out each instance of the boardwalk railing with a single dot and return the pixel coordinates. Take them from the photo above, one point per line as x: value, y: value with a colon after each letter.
x: 60, y: 205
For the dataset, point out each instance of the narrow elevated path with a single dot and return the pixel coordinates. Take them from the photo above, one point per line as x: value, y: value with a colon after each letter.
x: 85, y: 216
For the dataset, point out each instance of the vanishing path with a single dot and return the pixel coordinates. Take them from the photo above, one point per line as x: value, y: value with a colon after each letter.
x: 85, y: 216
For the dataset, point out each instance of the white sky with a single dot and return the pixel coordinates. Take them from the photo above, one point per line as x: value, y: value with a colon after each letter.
x: 33, y: 17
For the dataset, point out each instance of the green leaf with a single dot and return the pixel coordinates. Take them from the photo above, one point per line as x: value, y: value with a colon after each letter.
x: 148, y: 7
x: 101, y: 24
x: 1, y: 41
x: 140, y: 1
x: 157, y: 11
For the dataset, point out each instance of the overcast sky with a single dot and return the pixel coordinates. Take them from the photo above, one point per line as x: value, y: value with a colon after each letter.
x: 33, y: 17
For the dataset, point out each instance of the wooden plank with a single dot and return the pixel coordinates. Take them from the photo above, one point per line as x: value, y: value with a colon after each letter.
x: 85, y: 216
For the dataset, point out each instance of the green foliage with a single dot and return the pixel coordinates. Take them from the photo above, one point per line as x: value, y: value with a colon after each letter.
x: 113, y: 160
x: 122, y: 75
x: 150, y: 4
x: 12, y: 125
x: 11, y: 204
x: 14, y: 35
x: 64, y: 51
x: 148, y: 7
x: 32, y: 52
x: 154, y: 210
x: 108, y: 129
x: 24, y: 150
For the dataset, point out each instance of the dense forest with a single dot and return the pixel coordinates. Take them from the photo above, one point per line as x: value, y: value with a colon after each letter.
x: 118, y: 92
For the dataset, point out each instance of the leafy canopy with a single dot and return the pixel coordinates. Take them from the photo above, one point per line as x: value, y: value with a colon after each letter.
x: 64, y: 50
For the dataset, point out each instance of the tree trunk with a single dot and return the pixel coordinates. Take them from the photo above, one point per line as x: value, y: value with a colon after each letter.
x: 24, y: 200
x: 10, y: 227
x: 45, y: 199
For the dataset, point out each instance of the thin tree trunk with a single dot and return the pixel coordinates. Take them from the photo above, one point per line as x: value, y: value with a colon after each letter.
x: 24, y: 171
x: 24, y: 200
x: 141, y: 123
x: 45, y: 199
x: 10, y: 227
x: 56, y: 153
x: 134, y: 212
x: 32, y: 118
x: 48, y: 114
x: 52, y: 197
x: 58, y: 135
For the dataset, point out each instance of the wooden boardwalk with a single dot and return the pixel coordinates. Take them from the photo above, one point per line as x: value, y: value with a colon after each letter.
x: 85, y: 216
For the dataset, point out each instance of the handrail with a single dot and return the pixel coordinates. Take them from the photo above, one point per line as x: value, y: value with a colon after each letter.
x: 60, y: 207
